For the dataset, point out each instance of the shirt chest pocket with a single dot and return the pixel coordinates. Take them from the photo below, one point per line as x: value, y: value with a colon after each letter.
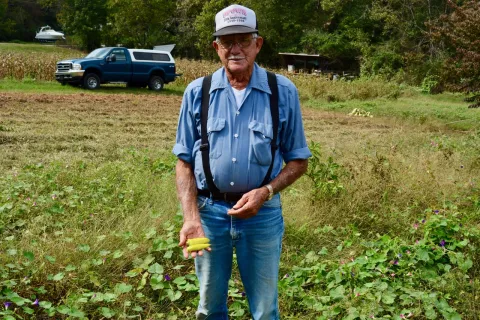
x: 261, y: 135
x: 216, y: 135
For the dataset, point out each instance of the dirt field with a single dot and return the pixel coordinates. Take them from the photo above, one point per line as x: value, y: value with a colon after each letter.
x: 48, y: 127
x: 45, y: 127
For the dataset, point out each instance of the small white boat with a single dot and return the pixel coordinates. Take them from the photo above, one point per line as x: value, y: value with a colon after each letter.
x: 47, y: 34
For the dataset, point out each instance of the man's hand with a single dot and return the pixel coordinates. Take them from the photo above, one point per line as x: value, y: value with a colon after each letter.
x: 249, y: 204
x: 191, y: 229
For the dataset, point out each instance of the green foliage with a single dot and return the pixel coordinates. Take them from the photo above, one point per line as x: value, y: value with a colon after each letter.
x: 387, y: 277
x: 84, y: 20
x: 6, y: 24
x: 381, y: 60
x: 332, y: 45
x: 324, y: 175
x: 430, y: 84
x: 139, y: 24
x: 143, y: 273
x: 458, y: 31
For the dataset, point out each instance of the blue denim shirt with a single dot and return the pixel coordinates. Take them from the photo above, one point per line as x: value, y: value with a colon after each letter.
x: 240, y: 138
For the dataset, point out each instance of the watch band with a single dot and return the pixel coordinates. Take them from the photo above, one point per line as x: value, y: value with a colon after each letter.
x: 270, y: 191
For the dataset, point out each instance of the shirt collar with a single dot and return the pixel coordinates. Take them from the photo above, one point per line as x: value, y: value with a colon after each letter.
x: 258, y: 80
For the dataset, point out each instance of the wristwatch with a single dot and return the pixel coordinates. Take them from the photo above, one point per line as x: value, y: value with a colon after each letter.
x: 270, y: 191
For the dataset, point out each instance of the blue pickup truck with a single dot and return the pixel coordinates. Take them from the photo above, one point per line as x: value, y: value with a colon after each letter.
x: 135, y: 67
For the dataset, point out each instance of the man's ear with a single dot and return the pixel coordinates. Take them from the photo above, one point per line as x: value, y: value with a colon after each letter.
x: 259, y: 43
x: 215, y: 45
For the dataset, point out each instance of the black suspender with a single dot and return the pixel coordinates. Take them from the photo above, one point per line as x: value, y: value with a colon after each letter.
x: 204, y: 146
x: 272, y: 83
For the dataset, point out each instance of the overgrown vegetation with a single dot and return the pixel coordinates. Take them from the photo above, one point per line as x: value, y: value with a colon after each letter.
x: 385, y: 223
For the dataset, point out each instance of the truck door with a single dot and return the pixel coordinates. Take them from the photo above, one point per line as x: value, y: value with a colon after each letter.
x: 119, y: 70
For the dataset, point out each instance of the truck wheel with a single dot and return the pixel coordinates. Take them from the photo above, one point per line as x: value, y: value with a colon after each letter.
x: 155, y: 83
x: 91, y: 81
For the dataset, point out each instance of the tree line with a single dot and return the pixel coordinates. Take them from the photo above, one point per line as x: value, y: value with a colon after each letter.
x: 425, y: 42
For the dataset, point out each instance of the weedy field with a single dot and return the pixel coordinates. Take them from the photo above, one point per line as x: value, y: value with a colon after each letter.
x: 385, y: 224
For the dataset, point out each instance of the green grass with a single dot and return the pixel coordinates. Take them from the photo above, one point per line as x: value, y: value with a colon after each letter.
x: 34, y: 86
x: 36, y: 48
x: 447, y: 109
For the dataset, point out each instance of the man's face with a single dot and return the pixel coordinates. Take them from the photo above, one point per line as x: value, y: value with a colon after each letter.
x: 238, y: 52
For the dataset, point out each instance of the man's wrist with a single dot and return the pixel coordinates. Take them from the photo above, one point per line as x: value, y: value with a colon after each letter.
x: 270, y: 191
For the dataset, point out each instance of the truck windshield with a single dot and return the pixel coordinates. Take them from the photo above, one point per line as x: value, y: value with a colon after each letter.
x: 98, y: 53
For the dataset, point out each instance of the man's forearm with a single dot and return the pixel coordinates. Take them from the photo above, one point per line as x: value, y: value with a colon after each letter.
x: 187, y: 190
x: 289, y: 174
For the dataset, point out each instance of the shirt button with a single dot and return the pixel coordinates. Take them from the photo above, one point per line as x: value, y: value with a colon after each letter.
x: 234, y: 159
x: 238, y: 112
x: 235, y: 135
x: 232, y: 183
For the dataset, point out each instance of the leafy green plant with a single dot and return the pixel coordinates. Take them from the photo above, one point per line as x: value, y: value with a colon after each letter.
x: 324, y: 175
x: 389, y: 277
x: 430, y: 84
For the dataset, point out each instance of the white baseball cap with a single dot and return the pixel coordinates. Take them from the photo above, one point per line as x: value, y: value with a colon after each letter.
x: 235, y: 19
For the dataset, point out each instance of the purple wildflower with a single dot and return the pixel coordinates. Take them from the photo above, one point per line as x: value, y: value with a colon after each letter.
x: 442, y: 243
x: 7, y: 304
x: 395, y: 262
x: 167, y: 277
x: 35, y: 303
x: 436, y: 211
x: 415, y: 226
x: 243, y: 294
x: 423, y: 220
x: 399, y: 255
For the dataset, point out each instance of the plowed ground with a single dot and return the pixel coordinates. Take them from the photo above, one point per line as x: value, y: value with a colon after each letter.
x: 61, y: 127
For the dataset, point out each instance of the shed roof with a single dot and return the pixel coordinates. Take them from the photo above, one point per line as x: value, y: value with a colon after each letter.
x: 299, y: 54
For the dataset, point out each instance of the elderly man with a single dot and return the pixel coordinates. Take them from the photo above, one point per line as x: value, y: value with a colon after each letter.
x: 235, y: 130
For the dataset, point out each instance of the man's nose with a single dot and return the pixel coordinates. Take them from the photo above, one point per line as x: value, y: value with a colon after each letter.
x: 235, y: 47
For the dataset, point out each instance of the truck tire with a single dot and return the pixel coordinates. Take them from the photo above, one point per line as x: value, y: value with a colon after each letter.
x: 155, y: 83
x: 91, y: 81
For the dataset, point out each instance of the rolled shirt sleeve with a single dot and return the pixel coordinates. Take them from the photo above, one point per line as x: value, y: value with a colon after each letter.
x: 187, y: 132
x: 293, y: 144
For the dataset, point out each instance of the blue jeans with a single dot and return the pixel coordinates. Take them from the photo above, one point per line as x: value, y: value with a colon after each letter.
x: 257, y: 242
